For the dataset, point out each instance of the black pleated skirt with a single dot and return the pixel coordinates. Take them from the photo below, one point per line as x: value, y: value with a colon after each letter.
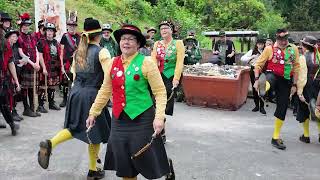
x: 126, y: 138
x: 310, y: 91
x: 77, y: 111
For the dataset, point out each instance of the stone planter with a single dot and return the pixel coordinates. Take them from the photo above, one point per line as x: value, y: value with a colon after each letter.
x: 216, y: 92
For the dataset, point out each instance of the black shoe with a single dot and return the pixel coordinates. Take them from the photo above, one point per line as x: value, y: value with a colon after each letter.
x: 53, y: 106
x: 255, y: 109
x: 29, y: 112
x: 278, y: 143
x: 37, y: 113
x: 94, y: 175
x: 14, y: 129
x: 262, y: 85
x: 171, y: 175
x: 319, y: 138
x: 2, y: 125
x: 44, y: 153
x: 41, y: 109
x: 304, y: 139
x: 16, y: 116
x: 63, y: 103
x: 263, y: 111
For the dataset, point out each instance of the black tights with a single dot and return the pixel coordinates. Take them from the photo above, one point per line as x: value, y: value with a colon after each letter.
x: 27, y: 93
x: 5, y: 109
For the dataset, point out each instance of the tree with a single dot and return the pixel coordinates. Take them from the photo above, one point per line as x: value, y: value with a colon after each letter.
x: 301, y: 15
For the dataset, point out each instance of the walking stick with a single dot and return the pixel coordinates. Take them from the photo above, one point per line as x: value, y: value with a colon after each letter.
x: 144, y: 148
x: 172, y: 93
x: 46, y: 90
x: 35, y: 97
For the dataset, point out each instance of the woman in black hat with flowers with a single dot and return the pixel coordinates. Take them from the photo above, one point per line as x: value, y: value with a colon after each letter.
x: 49, y: 55
x: 169, y: 55
x: 89, y: 68
x: 308, y: 84
x: 135, y: 120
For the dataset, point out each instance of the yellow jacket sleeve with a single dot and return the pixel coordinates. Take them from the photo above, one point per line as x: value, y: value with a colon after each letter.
x: 263, y: 58
x: 151, y: 73
x: 154, y: 52
x: 303, y: 73
x: 296, y: 64
x: 105, y: 91
x: 180, y: 59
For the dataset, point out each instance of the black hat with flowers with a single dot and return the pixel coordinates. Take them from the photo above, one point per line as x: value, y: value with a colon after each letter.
x: 130, y: 29
x: 168, y: 23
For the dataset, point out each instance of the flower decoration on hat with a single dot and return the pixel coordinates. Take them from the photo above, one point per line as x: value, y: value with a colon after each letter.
x: 25, y: 18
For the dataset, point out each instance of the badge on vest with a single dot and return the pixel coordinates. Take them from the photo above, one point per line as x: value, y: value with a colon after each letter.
x: 119, y: 73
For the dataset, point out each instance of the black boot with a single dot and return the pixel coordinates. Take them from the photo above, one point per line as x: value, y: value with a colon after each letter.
x: 262, y: 85
x: 44, y: 153
x: 278, y: 143
x: 36, y: 112
x: 52, y: 103
x: 304, y: 139
x: 255, y: 109
x: 41, y: 109
x: 15, y: 116
x: 65, y: 97
x: 14, y: 128
x: 63, y: 103
x: 171, y: 175
x: 53, y: 106
x: 28, y: 112
x: 94, y: 175
x: 263, y: 111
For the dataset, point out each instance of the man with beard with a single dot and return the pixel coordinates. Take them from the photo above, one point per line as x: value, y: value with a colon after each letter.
x: 107, y: 41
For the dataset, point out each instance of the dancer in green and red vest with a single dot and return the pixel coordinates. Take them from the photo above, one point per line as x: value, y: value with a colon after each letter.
x: 282, y: 61
x: 69, y: 43
x: 89, y: 70
x: 135, y: 119
x: 169, y: 55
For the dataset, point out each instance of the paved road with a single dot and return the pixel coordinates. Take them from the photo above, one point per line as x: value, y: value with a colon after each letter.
x: 206, y: 144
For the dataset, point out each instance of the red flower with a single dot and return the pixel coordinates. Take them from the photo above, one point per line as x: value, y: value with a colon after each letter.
x: 136, y: 77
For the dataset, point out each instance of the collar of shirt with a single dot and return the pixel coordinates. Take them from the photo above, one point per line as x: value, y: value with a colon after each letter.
x: 127, y: 61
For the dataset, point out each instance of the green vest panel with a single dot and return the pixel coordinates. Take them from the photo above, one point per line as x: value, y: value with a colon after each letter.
x: 138, y: 98
x: 170, y: 60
